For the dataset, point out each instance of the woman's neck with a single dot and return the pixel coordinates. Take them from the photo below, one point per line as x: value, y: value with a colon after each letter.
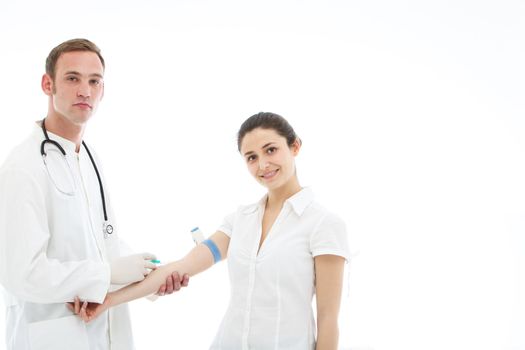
x: 278, y: 196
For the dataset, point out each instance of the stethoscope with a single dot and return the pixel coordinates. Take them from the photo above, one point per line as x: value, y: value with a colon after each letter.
x: 107, y: 227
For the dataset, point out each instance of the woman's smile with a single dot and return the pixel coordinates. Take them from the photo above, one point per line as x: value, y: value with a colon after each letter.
x: 269, y: 175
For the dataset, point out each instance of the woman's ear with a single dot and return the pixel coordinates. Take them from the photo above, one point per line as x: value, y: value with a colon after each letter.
x: 296, y: 146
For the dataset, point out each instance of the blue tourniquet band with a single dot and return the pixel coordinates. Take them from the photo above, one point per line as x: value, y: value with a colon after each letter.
x: 214, y: 250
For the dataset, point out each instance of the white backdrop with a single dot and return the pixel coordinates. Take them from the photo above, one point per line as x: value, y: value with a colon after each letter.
x: 411, y: 114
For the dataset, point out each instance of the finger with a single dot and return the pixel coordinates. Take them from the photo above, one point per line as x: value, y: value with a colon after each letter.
x: 150, y: 265
x: 149, y: 256
x: 83, y: 314
x: 77, y: 305
x: 161, y: 290
x: 169, y: 285
x: 176, y: 276
x: 185, y: 280
x: 176, y: 281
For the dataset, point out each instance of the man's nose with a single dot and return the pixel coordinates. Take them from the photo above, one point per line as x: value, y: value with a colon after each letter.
x: 84, y: 90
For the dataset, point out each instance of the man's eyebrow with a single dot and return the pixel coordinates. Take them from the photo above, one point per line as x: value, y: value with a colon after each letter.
x: 74, y: 72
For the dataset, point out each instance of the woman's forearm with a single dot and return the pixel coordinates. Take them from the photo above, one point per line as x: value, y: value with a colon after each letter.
x: 197, y: 260
x: 328, y: 285
x: 327, y: 334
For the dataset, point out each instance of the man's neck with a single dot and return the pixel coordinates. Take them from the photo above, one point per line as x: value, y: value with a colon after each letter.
x: 62, y: 127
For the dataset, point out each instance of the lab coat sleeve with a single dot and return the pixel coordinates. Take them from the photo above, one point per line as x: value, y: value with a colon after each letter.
x: 25, y: 269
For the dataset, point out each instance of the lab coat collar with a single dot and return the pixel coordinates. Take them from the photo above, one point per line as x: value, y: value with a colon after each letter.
x: 299, y: 202
x: 68, y: 146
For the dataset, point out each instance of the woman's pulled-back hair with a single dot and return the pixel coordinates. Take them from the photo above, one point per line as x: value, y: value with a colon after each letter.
x: 267, y: 120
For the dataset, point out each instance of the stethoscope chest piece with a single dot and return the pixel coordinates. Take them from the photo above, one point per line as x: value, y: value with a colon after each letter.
x: 108, y: 229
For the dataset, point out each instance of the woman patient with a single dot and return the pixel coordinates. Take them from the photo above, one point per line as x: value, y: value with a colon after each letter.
x: 281, y: 251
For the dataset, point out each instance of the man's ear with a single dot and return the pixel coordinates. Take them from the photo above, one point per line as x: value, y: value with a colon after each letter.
x: 47, y: 84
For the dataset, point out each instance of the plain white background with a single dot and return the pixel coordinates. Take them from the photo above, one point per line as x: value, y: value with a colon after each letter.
x: 411, y: 114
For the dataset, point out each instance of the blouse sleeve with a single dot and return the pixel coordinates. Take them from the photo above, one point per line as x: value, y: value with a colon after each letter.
x: 227, y: 225
x: 330, y: 238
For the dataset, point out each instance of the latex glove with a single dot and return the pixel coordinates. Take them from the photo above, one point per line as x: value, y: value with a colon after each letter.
x: 131, y: 268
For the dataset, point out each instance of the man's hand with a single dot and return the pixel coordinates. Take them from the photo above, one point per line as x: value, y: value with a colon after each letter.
x: 173, y: 284
x: 88, y: 311
x: 131, y: 268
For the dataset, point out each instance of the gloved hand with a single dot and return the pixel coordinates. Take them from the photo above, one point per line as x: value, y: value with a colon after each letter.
x: 131, y: 268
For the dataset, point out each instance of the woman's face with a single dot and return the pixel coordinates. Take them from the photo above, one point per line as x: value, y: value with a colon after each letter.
x: 269, y: 158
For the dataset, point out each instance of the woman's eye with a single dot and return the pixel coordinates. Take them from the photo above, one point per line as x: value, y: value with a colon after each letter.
x: 250, y: 159
x: 271, y: 150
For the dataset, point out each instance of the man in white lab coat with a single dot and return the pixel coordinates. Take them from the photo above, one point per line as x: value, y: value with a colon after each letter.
x: 58, y: 238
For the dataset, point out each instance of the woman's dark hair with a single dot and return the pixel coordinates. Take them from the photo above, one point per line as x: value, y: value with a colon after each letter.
x: 267, y: 120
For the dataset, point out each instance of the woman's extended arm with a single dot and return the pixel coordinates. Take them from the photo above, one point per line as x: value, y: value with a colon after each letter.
x: 329, y: 271
x: 197, y: 260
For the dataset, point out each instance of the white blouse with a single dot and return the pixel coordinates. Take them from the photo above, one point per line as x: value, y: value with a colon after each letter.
x: 272, y: 290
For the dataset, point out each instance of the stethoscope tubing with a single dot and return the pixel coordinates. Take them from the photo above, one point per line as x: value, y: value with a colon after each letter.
x: 99, y: 182
x: 107, y: 228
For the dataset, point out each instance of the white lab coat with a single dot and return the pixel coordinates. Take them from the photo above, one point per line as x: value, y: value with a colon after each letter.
x: 52, y: 249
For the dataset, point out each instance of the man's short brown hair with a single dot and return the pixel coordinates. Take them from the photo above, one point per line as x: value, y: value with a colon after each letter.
x: 69, y: 46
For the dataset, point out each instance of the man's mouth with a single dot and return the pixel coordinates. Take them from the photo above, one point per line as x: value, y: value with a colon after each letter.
x: 82, y: 105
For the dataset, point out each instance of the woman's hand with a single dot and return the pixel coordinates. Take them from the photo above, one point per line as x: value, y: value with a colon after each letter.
x: 89, y: 311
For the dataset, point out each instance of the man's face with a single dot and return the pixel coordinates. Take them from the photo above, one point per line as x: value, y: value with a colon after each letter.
x: 78, y: 86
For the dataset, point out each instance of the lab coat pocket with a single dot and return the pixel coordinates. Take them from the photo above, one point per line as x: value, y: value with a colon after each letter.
x: 66, y: 333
